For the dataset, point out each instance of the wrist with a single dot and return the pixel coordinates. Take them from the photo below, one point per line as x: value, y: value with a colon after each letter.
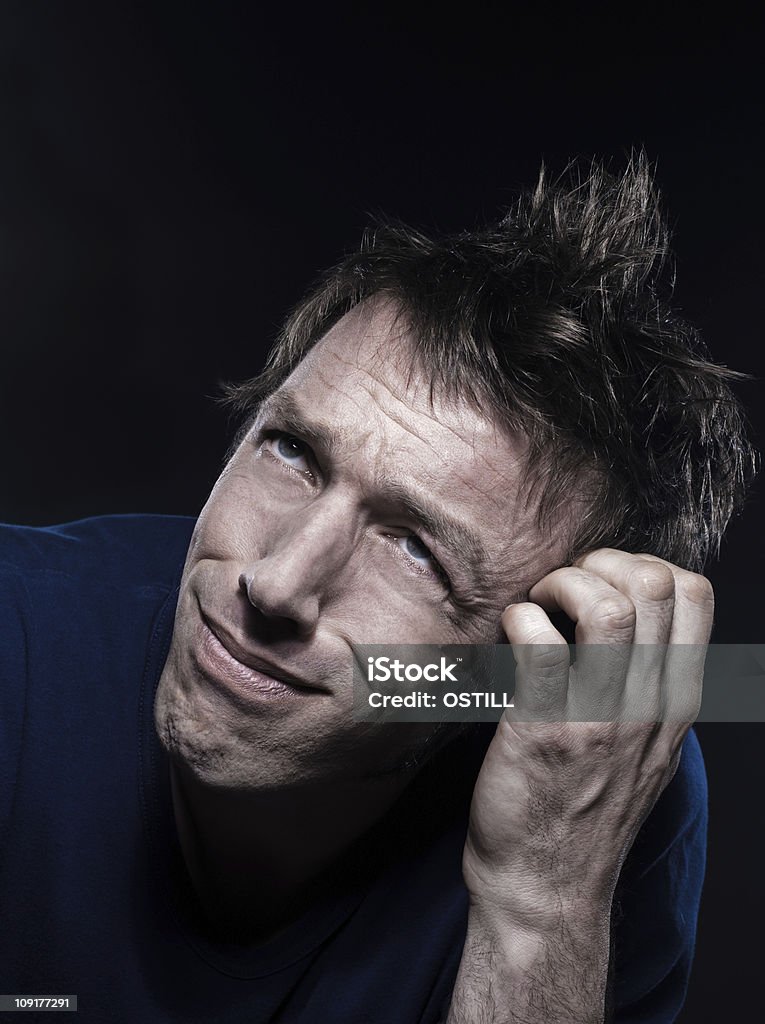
x: 535, y: 902
x: 539, y: 919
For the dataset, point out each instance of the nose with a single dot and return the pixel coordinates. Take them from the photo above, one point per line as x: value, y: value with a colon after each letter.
x: 300, y: 559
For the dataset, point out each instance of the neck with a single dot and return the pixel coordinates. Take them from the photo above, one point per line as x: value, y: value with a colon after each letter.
x: 256, y: 860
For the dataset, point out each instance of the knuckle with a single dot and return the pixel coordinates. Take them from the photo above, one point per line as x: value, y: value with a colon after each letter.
x: 602, y: 739
x: 556, y: 749
x: 696, y: 589
x: 615, y: 614
x: 547, y: 659
x: 549, y: 742
x: 651, y: 581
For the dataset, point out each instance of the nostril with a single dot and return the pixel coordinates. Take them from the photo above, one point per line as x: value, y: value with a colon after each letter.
x: 247, y: 588
x: 246, y: 585
x: 277, y: 602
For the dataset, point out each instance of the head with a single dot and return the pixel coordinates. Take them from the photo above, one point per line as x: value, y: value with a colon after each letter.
x: 442, y: 422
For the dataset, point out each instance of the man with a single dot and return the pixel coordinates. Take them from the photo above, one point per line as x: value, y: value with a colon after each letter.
x: 454, y: 441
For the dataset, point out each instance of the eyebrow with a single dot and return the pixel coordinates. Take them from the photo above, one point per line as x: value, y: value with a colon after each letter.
x: 282, y: 406
x: 448, y: 531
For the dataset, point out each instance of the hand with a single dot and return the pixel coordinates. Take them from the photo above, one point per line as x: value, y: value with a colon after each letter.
x: 577, y: 765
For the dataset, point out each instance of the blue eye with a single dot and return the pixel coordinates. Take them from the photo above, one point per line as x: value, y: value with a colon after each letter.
x: 422, y: 555
x: 414, y: 547
x: 291, y: 450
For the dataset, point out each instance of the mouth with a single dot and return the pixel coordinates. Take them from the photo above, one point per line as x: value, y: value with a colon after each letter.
x: 242, y: 674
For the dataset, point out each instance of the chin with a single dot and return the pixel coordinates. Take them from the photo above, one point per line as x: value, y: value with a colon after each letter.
x: 202, y: 747
x: 187, y: 740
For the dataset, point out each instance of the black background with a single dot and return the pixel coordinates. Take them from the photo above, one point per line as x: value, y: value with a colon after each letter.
x: 173, y: 176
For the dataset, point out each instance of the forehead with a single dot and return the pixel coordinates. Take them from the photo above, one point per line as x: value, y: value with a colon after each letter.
x: 362, y: 380
x: 360, y: 387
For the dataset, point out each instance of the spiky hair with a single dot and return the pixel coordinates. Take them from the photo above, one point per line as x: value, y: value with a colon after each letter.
x: 557, y: 321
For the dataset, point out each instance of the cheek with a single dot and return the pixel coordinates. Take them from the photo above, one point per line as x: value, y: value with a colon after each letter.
x: 375, y: 604
x: 231, y: 519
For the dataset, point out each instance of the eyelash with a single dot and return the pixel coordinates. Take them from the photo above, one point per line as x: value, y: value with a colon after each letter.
x: 275, y: 435
x: 439, y: 573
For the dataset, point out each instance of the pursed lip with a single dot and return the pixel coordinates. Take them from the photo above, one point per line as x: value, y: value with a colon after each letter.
x: 256, y: 661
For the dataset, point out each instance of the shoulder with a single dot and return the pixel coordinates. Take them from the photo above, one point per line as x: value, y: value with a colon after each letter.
x: 127, y: 549
x: 78, y: 601
x: 70, y: 591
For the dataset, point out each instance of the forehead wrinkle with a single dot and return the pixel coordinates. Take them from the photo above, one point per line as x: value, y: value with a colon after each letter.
x: 514, y: 462
x: 437, y: 448
x: 418, y: 412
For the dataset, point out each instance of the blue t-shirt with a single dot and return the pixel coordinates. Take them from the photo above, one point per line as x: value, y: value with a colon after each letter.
x: 94, y: 896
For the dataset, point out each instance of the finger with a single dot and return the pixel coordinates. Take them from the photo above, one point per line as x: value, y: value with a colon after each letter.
x: 542, y: 664
x: 605, y: 621
x: 602, y: 614
x: 650, y: 587
x: 694, y: 604
x: 689, y: 637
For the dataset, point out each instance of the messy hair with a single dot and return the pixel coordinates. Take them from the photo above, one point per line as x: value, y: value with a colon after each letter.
x: 556, y: 321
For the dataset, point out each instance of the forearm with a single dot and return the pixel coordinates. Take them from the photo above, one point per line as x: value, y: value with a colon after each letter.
x: 515, y: 974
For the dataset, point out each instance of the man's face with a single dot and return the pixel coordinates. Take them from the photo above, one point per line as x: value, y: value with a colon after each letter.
x: 356, y: 510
